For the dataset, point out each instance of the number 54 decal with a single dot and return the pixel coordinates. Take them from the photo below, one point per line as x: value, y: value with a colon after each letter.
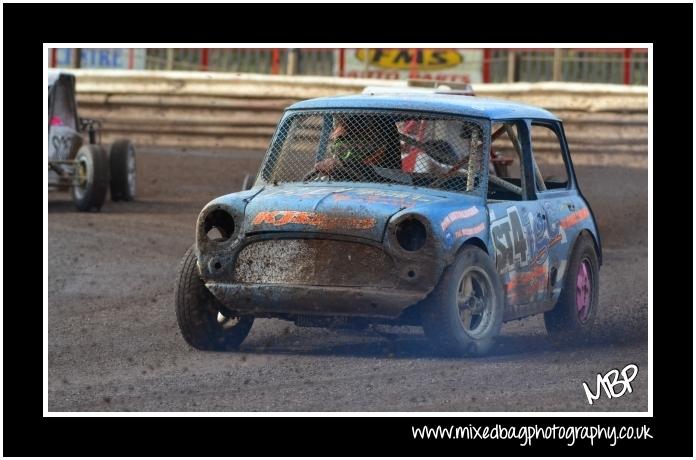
x: 510, y: 242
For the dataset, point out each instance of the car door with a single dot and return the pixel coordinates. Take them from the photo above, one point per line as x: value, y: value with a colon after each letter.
x: 555, y: 190
x: 515, y: 219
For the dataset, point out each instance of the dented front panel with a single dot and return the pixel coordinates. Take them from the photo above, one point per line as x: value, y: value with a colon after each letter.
x: 297, y: 238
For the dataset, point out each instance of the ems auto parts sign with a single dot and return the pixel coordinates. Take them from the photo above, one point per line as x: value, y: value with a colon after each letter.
x: 455, y: 65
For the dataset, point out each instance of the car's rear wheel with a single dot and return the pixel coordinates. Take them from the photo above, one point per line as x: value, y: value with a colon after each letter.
x: 464, y: 313
x: 204, y: 322
x: 91, y: 178
x: 122, y: 160
x: 573, y: 317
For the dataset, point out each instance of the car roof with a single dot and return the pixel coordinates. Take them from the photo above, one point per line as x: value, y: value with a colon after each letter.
x: 456, y: 104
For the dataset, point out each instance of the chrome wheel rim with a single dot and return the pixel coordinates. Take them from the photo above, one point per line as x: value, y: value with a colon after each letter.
x: 81, y: 178
x: 583, y: 290
x: 227, y: 322
x: 476, y: 301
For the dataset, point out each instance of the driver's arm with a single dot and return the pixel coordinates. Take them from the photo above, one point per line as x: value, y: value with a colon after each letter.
x: 328, y: 164
x: 375, y: 156
x: 334, y: 157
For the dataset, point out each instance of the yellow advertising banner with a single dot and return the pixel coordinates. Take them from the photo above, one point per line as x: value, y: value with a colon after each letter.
x: 455, y: 65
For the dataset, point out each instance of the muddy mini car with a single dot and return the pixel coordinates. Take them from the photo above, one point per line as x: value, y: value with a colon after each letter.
x: 86, y: 169
x: 389, y: 209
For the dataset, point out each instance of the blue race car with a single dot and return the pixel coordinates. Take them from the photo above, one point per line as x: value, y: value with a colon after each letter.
x: 452, y: 212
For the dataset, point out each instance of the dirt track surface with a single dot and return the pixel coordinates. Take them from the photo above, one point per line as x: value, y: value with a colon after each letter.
x: 114, y: 345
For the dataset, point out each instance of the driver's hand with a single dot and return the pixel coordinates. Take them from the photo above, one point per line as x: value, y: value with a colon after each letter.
x: 328, y: 165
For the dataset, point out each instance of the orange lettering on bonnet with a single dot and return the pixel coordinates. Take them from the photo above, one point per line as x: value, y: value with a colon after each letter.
x: 321, y: 221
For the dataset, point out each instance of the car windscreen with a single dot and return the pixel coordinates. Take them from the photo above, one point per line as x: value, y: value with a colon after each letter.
x: 419, y: 149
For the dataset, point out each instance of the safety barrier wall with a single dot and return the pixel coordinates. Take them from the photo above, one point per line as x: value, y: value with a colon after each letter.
x: 222, y: 110
x: 488, y: 65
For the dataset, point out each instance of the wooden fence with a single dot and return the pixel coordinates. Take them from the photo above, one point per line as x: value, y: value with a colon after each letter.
x: 221, y: 110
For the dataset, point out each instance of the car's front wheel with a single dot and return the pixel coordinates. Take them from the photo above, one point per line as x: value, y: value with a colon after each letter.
x: 204, y: 322
x: 464, y: 313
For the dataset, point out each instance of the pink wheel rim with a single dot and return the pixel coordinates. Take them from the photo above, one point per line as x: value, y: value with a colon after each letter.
x: 583, y: 290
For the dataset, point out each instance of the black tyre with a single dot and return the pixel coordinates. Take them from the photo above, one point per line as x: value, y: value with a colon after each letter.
x: 122, y: 160
x: 573, y: 317
x: 91, y: 178
x: 203, y: 321
x: 464, y: 313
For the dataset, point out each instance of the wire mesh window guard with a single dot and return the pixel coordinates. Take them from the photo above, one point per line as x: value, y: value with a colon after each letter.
x: 436, y: 151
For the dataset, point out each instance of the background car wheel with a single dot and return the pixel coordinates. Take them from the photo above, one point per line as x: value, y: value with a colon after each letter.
x: 122, y: 160
x: 572, y: 318
x: 203, y: 321
x: 464, y: 313
x: 91, y: 178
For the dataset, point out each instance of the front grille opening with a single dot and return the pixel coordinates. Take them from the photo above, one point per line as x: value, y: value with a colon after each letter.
x: 314, y: 262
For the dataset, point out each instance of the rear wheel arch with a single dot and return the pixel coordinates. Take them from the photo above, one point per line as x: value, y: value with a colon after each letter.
x: 571, y: 247
x: 593, y: 237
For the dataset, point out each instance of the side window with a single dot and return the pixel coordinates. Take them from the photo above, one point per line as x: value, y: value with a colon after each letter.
x: 552, y: 172
x: 505, y: 171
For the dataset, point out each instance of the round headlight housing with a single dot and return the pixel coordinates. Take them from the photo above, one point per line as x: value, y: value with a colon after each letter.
x: 411, y: 234
x: 219, y: 225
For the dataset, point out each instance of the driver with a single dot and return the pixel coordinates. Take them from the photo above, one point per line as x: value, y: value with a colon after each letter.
x: 362, y: 140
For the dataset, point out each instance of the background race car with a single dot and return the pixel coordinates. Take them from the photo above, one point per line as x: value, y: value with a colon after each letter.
x: 85, y: 168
